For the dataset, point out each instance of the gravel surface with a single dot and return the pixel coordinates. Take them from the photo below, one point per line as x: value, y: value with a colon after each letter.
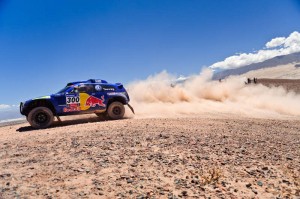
x: 199, y: 157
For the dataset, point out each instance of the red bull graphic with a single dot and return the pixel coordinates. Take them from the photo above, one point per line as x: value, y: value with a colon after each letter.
x: 94, y: 101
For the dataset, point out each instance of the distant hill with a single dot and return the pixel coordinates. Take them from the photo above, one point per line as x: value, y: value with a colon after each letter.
x: 276, y: 61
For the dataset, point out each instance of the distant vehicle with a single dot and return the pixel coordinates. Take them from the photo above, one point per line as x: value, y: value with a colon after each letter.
x: 97, y: 96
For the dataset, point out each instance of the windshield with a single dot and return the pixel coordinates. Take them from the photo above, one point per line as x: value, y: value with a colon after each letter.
x: 64, y: 89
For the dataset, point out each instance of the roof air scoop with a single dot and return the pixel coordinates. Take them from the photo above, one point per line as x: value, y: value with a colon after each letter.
x: 97, y: 81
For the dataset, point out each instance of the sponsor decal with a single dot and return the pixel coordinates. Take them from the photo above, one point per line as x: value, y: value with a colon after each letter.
x: 72, y: 103
x: 98, y: 88
x: 87, y: 101
x: 83, y: 98
x: 72, y: 108
x: 94, y: 101
x: 108, y: 89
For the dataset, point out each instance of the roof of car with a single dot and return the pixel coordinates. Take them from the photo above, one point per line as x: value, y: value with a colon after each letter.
x: 87, y: 81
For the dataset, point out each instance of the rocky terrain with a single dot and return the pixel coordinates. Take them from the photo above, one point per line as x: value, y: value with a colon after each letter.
x: 189, y: 157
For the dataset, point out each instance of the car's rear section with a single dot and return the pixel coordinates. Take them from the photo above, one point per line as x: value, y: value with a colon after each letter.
x: 117, y: 98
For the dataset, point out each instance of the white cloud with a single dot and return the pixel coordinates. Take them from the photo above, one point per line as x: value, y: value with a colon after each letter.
x: 276, y: 47
x: 4, y: 106
x: 278, y: 41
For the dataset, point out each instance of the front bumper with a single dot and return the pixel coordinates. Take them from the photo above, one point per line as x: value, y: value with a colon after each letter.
x: 22, y: 108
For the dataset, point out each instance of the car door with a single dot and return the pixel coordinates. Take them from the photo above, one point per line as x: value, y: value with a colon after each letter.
x: 72, y: 102
x: 67, y: 102
x: 101, y: 95
x: 90, y: 101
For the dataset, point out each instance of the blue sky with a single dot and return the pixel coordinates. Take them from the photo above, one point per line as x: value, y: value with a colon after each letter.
x: 46, y: 43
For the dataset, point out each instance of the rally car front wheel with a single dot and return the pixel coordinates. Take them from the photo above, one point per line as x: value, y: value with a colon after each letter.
x: 116, y: 110
x: 40, y: 117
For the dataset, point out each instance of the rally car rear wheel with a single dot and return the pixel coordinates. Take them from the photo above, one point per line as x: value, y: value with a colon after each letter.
x: 40, y: 117
x: 116, y: 110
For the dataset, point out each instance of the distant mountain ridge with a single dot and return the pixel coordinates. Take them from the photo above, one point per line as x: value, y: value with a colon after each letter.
x: 276, y: 61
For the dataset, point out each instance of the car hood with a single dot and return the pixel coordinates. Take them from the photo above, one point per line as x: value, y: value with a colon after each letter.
x: 42, y: 97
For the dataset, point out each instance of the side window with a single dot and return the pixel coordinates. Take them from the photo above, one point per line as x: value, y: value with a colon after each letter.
x: 86, y: 89
x: 90, y: 89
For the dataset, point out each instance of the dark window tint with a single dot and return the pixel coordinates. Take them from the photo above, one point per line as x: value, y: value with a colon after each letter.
x: 86, y: 89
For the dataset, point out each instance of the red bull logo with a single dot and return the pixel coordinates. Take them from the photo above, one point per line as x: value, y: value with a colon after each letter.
x: 94, y: 101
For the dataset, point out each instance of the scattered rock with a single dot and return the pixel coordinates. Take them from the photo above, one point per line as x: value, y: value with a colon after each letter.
x: 129, y: 180
x: 289, y: 158
x: 259, y: 183
x: 265, y: 168
x: 175, y: 160
x: 248, y: 185
x: 223, y: 184
x: 184, y: 193
x: 140, y: 197
x: 254, y: 191
x: 286, y: 181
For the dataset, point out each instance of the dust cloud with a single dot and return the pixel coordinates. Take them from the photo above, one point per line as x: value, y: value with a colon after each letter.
x: 158, y: 96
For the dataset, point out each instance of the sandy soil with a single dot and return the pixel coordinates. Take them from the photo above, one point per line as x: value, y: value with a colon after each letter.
x: 288, y: 84
x: 288, y: 71
x: 286, y: 76
x: 188, y: 157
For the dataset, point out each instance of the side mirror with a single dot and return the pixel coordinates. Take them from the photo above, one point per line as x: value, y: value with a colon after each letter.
x: 73, y: 91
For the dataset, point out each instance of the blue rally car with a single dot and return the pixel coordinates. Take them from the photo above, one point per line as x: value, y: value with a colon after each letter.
x: 92, y: 96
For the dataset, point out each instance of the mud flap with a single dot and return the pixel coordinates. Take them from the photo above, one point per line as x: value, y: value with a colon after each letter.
x: 131, y: 108
x: 58, y: 118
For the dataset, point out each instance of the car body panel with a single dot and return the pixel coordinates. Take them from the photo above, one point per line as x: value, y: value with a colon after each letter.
x: 81, y: 97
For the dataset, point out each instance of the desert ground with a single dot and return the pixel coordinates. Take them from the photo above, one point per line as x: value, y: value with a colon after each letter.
x: 288, y: 71
x: 207, y: 155
x: 188, y: 157
x: 288, y: 84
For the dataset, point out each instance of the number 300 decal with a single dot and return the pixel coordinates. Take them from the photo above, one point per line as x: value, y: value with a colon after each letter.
x: 72, y: 99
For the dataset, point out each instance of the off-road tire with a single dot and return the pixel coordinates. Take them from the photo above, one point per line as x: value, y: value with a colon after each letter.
x: 116, y: 110
x: 40, y: 117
